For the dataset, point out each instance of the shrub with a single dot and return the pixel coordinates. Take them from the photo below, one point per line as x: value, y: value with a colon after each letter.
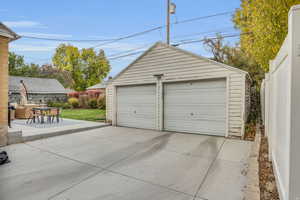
x: 83, y: 101
x: 93, y: 103
x: 101, y: 102
x: 73, y: 102
x: 50, y: 103
x: 66, y: 106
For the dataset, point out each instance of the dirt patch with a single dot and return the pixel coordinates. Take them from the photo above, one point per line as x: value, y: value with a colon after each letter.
x: 268, y: 189
x: 250, y: 131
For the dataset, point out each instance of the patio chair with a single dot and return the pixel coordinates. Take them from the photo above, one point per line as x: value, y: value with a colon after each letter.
x: 33, y: 115
x: 54, y: 113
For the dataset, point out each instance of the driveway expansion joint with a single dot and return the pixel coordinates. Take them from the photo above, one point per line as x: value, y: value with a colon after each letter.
x: 207, y: 172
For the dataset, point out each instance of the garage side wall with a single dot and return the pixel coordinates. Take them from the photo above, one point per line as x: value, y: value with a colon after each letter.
x: 109, y: 103
x: 176, y: 65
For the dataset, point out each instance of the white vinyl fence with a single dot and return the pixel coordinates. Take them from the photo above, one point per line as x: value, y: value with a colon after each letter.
x: 282, y: 111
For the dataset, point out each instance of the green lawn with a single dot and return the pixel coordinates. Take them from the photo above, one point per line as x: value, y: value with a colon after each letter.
x: 84, y: 114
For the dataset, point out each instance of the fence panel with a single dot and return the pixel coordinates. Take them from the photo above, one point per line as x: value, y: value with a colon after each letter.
x: 282, y: 111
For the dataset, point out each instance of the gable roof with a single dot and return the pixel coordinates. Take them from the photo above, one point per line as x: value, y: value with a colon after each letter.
x: 182, y: 51
x: 7, y: 32
x: 102, y: 85
x: 36, y: 85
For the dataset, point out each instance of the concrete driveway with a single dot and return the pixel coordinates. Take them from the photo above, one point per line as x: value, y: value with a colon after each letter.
x: 114, y: 163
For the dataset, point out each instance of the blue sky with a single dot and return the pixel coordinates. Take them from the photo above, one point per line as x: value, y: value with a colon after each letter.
x: 100, y: 19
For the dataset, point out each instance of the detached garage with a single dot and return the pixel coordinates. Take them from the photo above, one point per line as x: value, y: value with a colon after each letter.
x: 170, y: 89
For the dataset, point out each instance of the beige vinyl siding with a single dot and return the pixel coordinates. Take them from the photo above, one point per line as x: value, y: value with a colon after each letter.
x: 236, y: 103
x: 109, y: 102
x: 176, y: 65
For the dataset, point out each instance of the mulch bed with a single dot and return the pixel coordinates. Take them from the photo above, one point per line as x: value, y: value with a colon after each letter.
x: 268, y: 189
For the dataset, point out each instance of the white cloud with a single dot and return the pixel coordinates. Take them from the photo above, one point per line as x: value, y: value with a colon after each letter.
x: 50, y: 46
x: 33, y: 48
x: 24, y: 24
x: 45, y: 35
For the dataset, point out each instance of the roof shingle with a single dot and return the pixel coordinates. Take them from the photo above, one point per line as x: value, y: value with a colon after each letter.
x: 36, y: 85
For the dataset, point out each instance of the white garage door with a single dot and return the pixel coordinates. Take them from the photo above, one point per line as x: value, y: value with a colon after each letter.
x: 136, y: 106
x: 196, y: 107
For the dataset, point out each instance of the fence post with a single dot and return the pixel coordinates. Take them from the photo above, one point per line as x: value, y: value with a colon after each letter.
x: 294, y: 30
x: 267, y: 104
x: 267, y: 111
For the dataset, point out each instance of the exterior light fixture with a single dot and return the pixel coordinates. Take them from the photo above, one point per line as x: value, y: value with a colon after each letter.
x: 158, y: 76
x: 172, y: 8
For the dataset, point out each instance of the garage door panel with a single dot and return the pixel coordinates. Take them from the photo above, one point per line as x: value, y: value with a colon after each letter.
x: 209, y: 97
x: 208, y: 100
x: 207, y: 84
x: 133, y: 116
x: 137, y: 109
x: 204, y: 125
x: 145, y: 100
x: 196, y: 117
x: 196, y: 107
x: 189, y: 110
x: 137, y: 123
x: 216, y: 91
x: 136, y: 106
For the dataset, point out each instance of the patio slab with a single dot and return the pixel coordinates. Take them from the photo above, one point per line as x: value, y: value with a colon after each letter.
x: 34, y: 174
x: 24, y: 132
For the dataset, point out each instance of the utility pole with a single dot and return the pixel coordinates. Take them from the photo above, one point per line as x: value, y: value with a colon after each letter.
x: 171, y: 9
x: 168, y: 21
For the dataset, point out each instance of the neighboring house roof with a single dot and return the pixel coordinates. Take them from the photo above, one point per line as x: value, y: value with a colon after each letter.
x: 184, y: 52
x: 69, y: 90
x: 7, y: 32
x: 102, y: 85
x: 36, y: 85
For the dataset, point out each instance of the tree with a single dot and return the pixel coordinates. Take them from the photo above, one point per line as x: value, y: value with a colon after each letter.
x: 18, y: 67
x: 64, y: 77
x: 267, y: 23
x: 236, y: 57
x: 87, y: 68
x: 15, y: 63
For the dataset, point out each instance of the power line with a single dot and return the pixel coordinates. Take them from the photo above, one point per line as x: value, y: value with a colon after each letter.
x: 126, y: 55
x: 129, y: 36
x: 163, y: 26
x: 213, y: 38
x: 209, y: 35
x: 112, y: 40
x: 65, y: 40
x: 179, y: 42
x: 204, y: 17
x: 205, y: 32
x: 183, y: 43
x: 130, y: 50
x: 115, y: 56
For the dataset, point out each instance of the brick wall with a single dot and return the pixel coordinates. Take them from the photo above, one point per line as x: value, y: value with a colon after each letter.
x: 3, y: 89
